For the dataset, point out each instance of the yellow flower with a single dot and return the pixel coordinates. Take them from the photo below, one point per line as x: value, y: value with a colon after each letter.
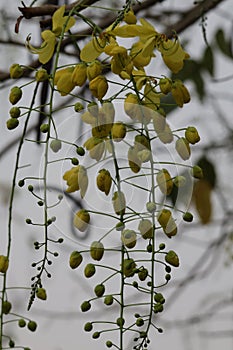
x: 81, y: 220
x: 76, y: 179
x: 96, y: 147
x: 63, y: 80
x: 98, y: 86
x: 173, y: 54
x: 46, y: 50
x: 94, y: 69
x: 180, y: 93
x: 79, y: 75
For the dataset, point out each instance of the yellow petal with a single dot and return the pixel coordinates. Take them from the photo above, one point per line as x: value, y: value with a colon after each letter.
x: 59, y: 21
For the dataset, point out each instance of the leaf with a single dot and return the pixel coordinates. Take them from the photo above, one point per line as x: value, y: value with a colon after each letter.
x: 208, y: 60
x: 202, y: 199
x: 208, y: 171
x: 223, y: 44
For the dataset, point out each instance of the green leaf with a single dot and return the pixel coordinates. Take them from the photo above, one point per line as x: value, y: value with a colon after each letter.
x: 224, y: 44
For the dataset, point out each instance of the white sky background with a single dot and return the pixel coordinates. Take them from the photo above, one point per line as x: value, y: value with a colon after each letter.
x: 60, y: 323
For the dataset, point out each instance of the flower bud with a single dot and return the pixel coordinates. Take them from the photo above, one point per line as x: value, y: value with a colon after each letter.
x: 188, y: 217
x: 4, y: 263
x: 172, y: 258
x: 166, y: 135
x: 99, y: 290
x: 108, y: 300
x: 16, y: 71
x: 44, y: 128
x: 89, y: 270
x: 42, y: 75
x: 130, y: 17
x: 179, y: 181
x: 6, y: 307
x: 41, y: 293
x: 197, y: 172
x: 142, y: 274
x: 183, y: 148
x: 81, y: 220
x: 159, y: 298
x: 146, y: 228
x: 79, y: 75
x: 88, y: 327
x: 55, y: 145
x: 15, y: 112
x: 97, y: 250
x: 118, y: 131
x: 104, y: 181
x: 165, y: 85
x: 78, y: 107
x: 151, y: 207
x: 167, y: 222
x: 133, y: 160
x: 93, y: 70
x: 32, y: 326
x: 191, y: 135
x: 85, y: 306
x: 75, y: 259
x: 98, y: 86
x: 21, y: 323
x: 119, y: 204
x: 129, y: 238
x: 15, y: 95
x: 12, y: 123
x: 180, y: 93
x: 128, y: 267
x: 164, y: 181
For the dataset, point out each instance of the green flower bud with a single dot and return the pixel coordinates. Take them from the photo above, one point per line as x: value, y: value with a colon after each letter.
x: 158, y: 308
x: 119, y: 204
x: 81, y: 220
x: 159, y: 298
x: 197, y: 172
x: 16, y: 71
x: 12, y: 123
x: 118, y: 131
x: 89, y: 270
x: 55, y: 145
x: 179, y: 181
x: 172, y: 258
x: 120, y: 322
x: 41, y: 75
x: 85, y: 306
x: 129, y: 238
x: 183, y: 148
x: 6, y: 307
x: 108, y: 343
x: 44, y: 128
x: 32, y: 326
x: 165, y: 85
x: 128, y: 267
x: 88, y: 327
x: 188, y: 217
x: 78, y: 107
x: 97, y: 250
x: 99, y: 290
x: 11, y: 344
x: 96, y: 335
x: 108, y: 300
x: 4, y: 263
x: 151, y: 207
x: 146, y: 228
x: 142, y: 274
x: 104, y: 181
x: 162, y: 246
x: 80, y: 151
x: 167, y: 222
x: 139, y: 322
x: 191, y: 135
x: 164, y: 181
x: 41, y: 293
x: 75, y: 161
x: 21, y: 323
x: 120, y: 226
x: 15, y: 112
x: 75, y: 259
x: 15, y: 95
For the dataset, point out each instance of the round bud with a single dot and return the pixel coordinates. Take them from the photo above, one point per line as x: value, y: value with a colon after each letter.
x: 44, y: 128
x: 159, y: 298
x: 32, y: 326
x: 97, y: 250
x: 88, y: 327
x: 158, y: 308
x: 96, y: 335
x: 120, y: 321
x: 89, y: 270
x: 74, y: 161
x: 28, y: 221
x: 78, y: 107
x: 75, y: 259
x: 21, y: 183
x: 11, y: 344
x: 55, y: 145
x: 80, y: 151
x: 85, y: 306
x: 41, y: 293
x: 21, y: 323
x: 188, y: 217
x: 149, y: 248
x: 12, y: 123
x: 162, y: 246
x: 142, y: 274
x: 99, y: 290
x: 30, y: 188
x: 172, y: 258
x: 108, y: 344
x: 167, y: 277
x: 108, y: 300
x: 6, y: 307
x: 120, y: 226
x: 15, y: 95
x: 16, y: 71
x: 15, y: 112
x: 41, y: 75
x: 139, y: 322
